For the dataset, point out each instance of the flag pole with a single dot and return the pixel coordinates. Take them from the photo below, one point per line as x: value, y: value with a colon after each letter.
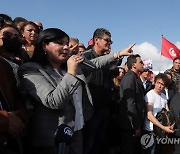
x: 160, y: 53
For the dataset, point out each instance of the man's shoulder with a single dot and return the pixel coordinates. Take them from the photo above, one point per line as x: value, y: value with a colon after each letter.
x: 89, y: 54
x: 139, y: 80
x: 5, y: 69
x: 170, y: 70
x: 150, y: 93
x: 28, y: 66
x: 163, y: 96
x: 4, y: 63
x: 31, y: 64
x: 129, y: 78
x: 130, y: 74
x: 148, y: 82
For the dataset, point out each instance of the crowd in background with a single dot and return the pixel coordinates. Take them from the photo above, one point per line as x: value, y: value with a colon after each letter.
x: 48, y: 78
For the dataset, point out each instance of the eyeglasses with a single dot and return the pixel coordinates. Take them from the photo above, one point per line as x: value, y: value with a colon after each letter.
x: 107, y: 40
x: 7, y: 34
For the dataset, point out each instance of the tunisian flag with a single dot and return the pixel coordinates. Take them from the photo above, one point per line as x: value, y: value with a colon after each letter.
x: 169, y: 50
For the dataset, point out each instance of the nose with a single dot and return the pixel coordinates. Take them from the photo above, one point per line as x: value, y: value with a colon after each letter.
x: 66, y: 47
x: 33, y: 31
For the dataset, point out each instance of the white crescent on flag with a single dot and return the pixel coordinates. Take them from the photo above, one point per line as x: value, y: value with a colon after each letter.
x: 172, y: 52
x: 169, y: 50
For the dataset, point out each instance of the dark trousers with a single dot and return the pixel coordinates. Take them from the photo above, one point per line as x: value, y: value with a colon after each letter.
x: 7, y: 150
x: 12, y: 146
x: 112, y: 137
x: 128, y: 143
x: 76, y: 146
x: 94, y: 132
x: 42, y: 150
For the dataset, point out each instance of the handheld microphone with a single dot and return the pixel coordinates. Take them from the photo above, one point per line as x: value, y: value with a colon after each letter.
x: 89, y: 64
x: 86, y: 62
x: 63, y: 136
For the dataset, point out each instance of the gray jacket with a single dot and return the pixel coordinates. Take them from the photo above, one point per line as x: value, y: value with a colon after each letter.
x: 52, y: 97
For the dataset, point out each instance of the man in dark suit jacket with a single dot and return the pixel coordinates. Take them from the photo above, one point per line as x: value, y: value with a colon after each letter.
x: 146, y: 85
x: 131, y: 109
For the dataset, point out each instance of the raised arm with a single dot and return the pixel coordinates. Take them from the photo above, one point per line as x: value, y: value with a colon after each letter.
x: 125, y: 52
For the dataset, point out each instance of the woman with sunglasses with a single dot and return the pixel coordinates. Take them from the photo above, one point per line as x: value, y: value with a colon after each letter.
x: 12, y: 108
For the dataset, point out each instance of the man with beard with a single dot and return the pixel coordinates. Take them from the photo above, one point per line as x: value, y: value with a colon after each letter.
x: 12, y: 109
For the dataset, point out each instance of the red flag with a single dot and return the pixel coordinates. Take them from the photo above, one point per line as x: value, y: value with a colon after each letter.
x: 169, y: 50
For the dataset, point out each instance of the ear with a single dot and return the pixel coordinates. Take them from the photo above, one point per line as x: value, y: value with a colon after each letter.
x: 44, y: 46
x: 22, y: 33
x: 134, y: 65
x: 95, y: 40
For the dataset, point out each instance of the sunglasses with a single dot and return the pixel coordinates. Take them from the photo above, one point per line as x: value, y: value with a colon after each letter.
x: 7, y: 34
x: 107, y: 40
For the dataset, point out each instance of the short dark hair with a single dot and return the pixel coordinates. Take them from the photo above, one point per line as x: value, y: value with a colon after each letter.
x: 132, y: 59
x: 46, y: 36
x: 164, y: 77
x: 6, y: 18
x: 10, y: 25
x: 17, y: 20
x: 100, y: 32
x: 10, y: 37
x: 176, y: 59
x: 81, y: 45
x: 74, y: 39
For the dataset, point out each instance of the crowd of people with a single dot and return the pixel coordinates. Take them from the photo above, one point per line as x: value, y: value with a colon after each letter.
x: 49, y: 78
